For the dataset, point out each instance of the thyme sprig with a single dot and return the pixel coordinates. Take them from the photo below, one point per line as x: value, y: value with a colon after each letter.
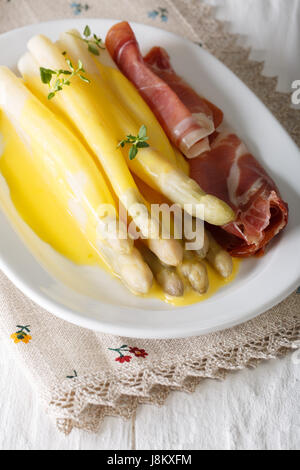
x: 136, y: 141
x: 57, y: 79
x: 94, y: 43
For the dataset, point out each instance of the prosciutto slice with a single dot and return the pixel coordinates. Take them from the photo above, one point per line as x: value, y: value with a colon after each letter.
x: 187, y: 129
x: 159, y: 61
x: 231, y: 173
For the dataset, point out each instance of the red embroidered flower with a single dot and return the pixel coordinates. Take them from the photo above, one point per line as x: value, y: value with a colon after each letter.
x: 123, y: 359
x: 121, y: 351
x: 138, y: 352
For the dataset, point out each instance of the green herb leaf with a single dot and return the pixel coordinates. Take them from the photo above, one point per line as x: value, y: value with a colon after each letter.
x: 143, y: 132
x: 133, y: 152
x: 84, y: 79
x: 46, y: 75
x: 70, y: 64
x: 87, y: 31
x: 94, y: 43
x: 136, y: 142
x: 93, y: 48
x: 142, y: 145
x: 54, y: 78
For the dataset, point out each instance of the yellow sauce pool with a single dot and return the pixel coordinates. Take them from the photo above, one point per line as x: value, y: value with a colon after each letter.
x: 36, y: 202
x: 191, y: 297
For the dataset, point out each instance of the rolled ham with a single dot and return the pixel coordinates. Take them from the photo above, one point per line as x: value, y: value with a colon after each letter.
x: 187, y: 129
x: 230, y: 172
x: 159, y: 61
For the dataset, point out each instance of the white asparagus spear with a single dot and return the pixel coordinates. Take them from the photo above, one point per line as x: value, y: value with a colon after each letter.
x: 169, y: 251
x: 101, y: 140
x: 166, y: 276
x: 202, y: 252
x: 69, y: 171
x: 219, y: 258
x: 195, y: 272
x: 159, y: 171
x: 196, y: 237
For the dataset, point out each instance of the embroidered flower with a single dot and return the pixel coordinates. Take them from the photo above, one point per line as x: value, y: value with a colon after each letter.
x: 22, y: 334
x: 138, y: 352
x: 162, y: 13
x: 123, y: 359
x: 153, y: 14
x: 125, y: 349
x: 79, y: 7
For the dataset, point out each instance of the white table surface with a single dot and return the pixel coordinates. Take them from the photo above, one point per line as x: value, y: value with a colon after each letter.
x: 251, y: 409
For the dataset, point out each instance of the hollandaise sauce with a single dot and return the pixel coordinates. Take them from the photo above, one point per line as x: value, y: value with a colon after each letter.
x: 38, y: 202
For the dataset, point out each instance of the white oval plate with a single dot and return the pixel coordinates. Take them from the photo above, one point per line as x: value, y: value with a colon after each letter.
x: 102, y: 304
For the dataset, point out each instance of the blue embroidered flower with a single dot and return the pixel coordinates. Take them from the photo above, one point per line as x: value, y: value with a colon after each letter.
x: 79, y: 7
x: 162, y: 13
x: 153, y: 14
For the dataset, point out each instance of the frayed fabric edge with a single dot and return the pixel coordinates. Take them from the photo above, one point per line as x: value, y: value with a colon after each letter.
x: 85, y: 402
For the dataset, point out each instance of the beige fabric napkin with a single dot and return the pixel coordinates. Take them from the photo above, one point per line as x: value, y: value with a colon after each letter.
x: 83, y: 376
